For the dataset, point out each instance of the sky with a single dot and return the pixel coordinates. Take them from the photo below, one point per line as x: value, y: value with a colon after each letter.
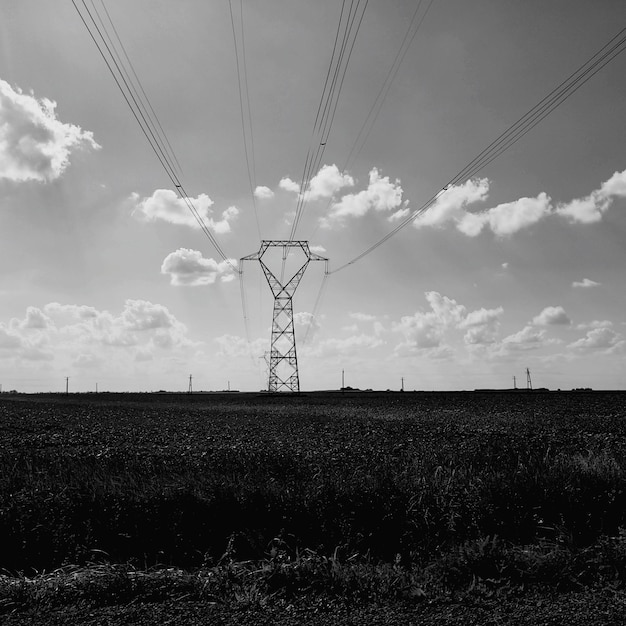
x: 106, y: 279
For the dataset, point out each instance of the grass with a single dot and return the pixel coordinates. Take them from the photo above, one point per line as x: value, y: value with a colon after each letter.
x: 371, y: 496
x: 481, y: 568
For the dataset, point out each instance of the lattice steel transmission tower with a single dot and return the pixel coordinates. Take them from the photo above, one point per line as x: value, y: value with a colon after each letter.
x: 283, y: 359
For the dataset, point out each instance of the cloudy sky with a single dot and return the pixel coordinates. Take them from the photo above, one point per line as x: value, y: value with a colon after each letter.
x: 105, y: 277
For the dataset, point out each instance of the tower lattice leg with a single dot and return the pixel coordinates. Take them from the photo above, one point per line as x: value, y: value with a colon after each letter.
x: 283, y: 356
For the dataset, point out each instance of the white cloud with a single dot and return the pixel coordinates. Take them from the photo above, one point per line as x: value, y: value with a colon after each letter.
x: 345, y: 347
x: 287, y: 184
x: 327, y: 182
x: 598, y: 339
x: 525, y: 339
x: 81, y: 336
x: 263, y: 193
x: 506, y: 219
x: 446, y: 309
x: 362, y: 317
x: 34, y: 144
x: 306, y: 320
x: 189, y: 268
x: 595, y: 324
x: 317, y: 249
x: 590, y: 209
x: 450, y: 204
x: 143, y: 315
x: 482, y: 326
x: 510, y: 217
x: 552, y: 316
x: 615, y: 186
x: 8, y: 340
x: 381, y: 195
x: 165, y: 205
x: 426, y: 330
x: 35, y: 318
x: 585, y: 283
x: 232, y: 346
x: 584, y: 210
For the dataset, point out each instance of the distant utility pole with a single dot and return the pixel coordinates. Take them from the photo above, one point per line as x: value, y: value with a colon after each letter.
x: 529, y: 382
x: 514, y: 382
x: 67, y: 385
x: 96, y: 387
x: 402, y: 388
x: 190, y: 390
x: 343, y: 378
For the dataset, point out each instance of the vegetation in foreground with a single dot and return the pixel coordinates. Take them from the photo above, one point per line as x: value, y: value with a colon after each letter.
x: 391, y: 496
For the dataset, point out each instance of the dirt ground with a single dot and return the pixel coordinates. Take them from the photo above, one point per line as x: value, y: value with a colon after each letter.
x: 572, y: 609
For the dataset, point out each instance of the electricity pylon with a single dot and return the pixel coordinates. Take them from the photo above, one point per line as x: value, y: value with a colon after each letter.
x: 283, y: 362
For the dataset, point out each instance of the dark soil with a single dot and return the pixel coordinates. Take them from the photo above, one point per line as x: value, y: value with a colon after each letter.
x: 583, y: 608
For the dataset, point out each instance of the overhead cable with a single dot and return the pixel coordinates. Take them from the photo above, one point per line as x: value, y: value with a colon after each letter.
x: 348, y: 28
x: 131, y: 96
x: 372, y: 116
x: 152, y: 115
x: 244, y: 107
x: 615, y: 46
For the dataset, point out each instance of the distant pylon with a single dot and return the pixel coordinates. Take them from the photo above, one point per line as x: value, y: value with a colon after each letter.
x: 283, y: 365
x: 190, y: 390
x: 529, y: 382
x: 514, y: 382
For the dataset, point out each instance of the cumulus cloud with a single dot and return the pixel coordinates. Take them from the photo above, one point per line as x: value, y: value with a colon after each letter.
x: 552, y: 316
x: 286, y: 184
x: 232, y: 346
x: 362, y: 317
x: 450, y: 204
x: 345, y: 347
x: 327, y: 182
x: 263, y: 193
x: 595, y: 324
x: 381, y: 195
x: 426, y: 329
x: 189, y: 268
x: 506, y: 219
x: 601, y: 339
x: 526, y: 339
x: 585, y: 283
x: 35, y: 318
x: 34, y: 144
x: 590, y: 209
x: 165, y: 205
x: 83, y: 336
x: 482, y: 326
x: 317, y: 249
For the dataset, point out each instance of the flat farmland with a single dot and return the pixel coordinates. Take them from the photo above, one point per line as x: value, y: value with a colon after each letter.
x: 449, y: 490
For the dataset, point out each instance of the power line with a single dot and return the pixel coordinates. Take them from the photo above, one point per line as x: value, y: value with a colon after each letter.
x: 153, y: 115
x: 123, y: 82
x: 374, y: 111
x: 372, y: 115
x: 242, y: 82
x: 516, y: 131
x: 317, y: 305
x: 349, y: 29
